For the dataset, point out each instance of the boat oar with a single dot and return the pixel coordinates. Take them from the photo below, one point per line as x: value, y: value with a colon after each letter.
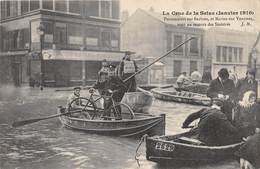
x: 159, y: 58
x: 29, y: 121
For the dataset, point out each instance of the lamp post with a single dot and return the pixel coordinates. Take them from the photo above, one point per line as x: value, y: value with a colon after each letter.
x: 254, y: 57
x: 40, y: 31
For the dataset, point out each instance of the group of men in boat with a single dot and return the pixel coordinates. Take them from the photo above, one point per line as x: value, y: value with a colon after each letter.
x: 183, y: 79
x: 233, y: 116
x: 113, y: 82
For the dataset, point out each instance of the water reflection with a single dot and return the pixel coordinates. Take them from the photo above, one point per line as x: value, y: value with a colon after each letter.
x: 48, y: 145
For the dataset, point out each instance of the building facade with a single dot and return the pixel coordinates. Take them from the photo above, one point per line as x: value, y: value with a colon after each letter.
x: 227, y: 48
x: 147, y: 34
x: 63, y: 40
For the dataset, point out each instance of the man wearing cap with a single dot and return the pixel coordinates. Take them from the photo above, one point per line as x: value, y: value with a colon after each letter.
x: 127, y: 68
x: 247, y: 83
x: 214, y: 128
x: 74, y: 96
x: 182, y: 79
x: 223, y: 88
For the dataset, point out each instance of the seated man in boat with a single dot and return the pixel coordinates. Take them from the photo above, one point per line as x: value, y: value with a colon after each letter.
x: 196, y: 76
x: 73, y: 101
x: 214, y: 128
x: 114, y: 87
x: 183, y: 80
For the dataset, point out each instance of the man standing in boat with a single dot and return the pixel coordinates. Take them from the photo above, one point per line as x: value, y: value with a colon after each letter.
x: 127, y: 68
x: 223, y: 88
x: 112, y: 86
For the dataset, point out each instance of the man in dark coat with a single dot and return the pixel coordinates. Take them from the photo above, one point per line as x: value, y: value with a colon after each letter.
x: 214, y: 128
x: 223, y: 88
x: 112, y: 86
x: 247, y: 83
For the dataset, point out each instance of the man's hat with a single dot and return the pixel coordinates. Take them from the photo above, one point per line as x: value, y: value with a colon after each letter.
x: 77, y: 87
x: 251, y: 71
x: 223, y: 73
x: 218, y: 102
x: 129, y: 52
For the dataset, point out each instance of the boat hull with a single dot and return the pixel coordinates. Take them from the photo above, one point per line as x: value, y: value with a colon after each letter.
x: 139, y: 101
x: 140, y: 125
x: 170, y: 95
x: 166, y: 151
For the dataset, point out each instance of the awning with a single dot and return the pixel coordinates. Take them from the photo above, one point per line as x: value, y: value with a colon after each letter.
x: 13, y: 53
x: 81, y: 55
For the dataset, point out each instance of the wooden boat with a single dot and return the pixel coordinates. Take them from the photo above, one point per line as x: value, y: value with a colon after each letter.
x: 194, y: 87
x: 182, y: 149
x: 139, y: 101
x: 141, y: 124
x: 170, y: 94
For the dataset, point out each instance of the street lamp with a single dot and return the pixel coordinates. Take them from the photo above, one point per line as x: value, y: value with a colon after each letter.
x: 40, y: 31
x: 254, y: 57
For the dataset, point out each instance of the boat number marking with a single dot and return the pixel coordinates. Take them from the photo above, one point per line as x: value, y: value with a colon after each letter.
x: 164, y: 146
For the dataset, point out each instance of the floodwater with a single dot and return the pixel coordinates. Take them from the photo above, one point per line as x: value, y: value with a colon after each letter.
x: 48, y: 145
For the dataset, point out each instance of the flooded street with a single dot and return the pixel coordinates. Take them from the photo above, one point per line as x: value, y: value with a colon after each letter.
x: 48, y: 145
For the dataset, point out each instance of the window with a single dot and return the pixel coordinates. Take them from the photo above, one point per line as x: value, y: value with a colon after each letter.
x: 47, y: 4
x: 24, y: 6
x: 224, y: 54
x: 240, y: 53
x: 218, y: 54
x: 8, y: 10
x: 48, y: 34
x: 169, y: 40
x: 61, y: 5
x: 14, y: 8
x: 75, y: 35
x: 235, y: 55
x: 105, y: 39
x: 194, y: 46
x: 178, y: 41
x: 115, y: 9
x: 34, y: 4
x: 105, y: 9
x: 115, y: 34
x: 92, y: 8
x: 3, y: 9
x: 193, y: 66
x: 230, y: 54
x: 60, y: 33
x: 75, y: 6
x: 92, y: 36
x: 176, y: 68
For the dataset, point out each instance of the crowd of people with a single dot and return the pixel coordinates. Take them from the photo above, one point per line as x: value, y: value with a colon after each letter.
x: 233, y: 116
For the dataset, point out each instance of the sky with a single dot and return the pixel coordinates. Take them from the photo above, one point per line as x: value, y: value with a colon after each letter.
x: 184, y: 5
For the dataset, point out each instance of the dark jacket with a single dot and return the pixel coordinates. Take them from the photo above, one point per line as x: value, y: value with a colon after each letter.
x: 214, y: 128
x: 112, y: 83
x: 217, y: 87
x: 243, y: 86
x: 250, y: 151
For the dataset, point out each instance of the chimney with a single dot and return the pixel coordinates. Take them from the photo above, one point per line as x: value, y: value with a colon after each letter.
x: 151, y: 9
x: 124, y: 16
